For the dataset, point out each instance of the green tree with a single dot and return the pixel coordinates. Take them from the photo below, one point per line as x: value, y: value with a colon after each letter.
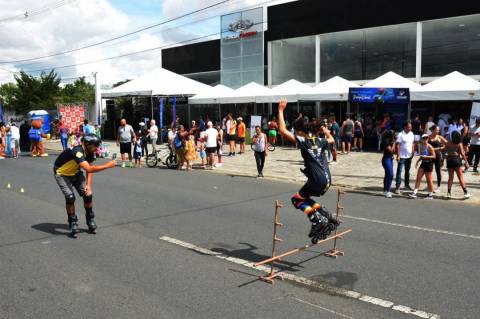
x: 35, y: 93
x: 7, y: 92
x: 78, y: 91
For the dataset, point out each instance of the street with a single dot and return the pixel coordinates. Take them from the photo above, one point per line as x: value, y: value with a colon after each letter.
x: 412, y: 253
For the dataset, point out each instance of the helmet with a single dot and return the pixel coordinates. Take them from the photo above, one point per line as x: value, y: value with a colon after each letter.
x: 92, y: 139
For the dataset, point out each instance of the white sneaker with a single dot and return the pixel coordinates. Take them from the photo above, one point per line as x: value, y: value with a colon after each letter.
x: 412, y: 195
x: 437, y: 190
x: 467, y: 195
x: 218, y: 165
x: 389, y: 195
x: 429, y: 197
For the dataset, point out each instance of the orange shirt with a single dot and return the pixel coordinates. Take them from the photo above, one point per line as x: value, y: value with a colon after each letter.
x: 241, y: 129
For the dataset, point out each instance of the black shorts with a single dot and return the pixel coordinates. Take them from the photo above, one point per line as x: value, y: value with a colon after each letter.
x: 241, y: 140
x: 454, y: 162
x: 211, y: 150
x: 126, y: 148
x: 358, y: 135
x: 347, y: 138
x: 313, y: 189
x: 231, y: 138
x: 427, y: 166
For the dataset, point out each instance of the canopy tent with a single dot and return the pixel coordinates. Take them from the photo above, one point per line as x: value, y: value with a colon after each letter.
x: 291, y: 90
x: 393, y: 80
x: 334, y: 89
x: 451, y: 87
x: 211, y: 96
x: 159, y: 82
x: 249, y: 93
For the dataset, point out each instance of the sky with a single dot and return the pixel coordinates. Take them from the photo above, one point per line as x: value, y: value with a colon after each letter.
x: 32, y: 28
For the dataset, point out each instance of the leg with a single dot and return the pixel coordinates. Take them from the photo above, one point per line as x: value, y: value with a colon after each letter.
x: 438, y: 170
x: 79, y: 182
x: 408, y: 164
x: 476, y: 151
x: 460, y: 176
x: 451, y: 171
x: 262, y: 162
x: 259, y: 163
x: 390, y: 174
x: 154, y: 145
x: 386, y: 169
x: 418, y: 181
x: 398, y: 177
x: 66, y: 186
x: 360, y: 141
x: 429, y: 177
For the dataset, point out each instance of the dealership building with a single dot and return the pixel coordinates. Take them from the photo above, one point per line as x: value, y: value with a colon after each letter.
x: 312, y: 41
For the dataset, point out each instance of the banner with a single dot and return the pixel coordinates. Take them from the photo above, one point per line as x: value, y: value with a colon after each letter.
x: 72, y: 114
x: 1, y: 112
x: 475, y: 113
x: 174, y: 111
x: 379, y: 95
x: 160, y: 122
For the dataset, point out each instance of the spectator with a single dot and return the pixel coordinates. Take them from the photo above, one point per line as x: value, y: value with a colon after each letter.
x: 143, y: 134
x: 442, y: 123
x: 201, y: 148
x: 272, y: 131
x: 24, y: 141
x: 358, y: 135
x: 125, y: 137
x: 64, y: 132
x: 427, y: 155
x: 14, y: 139
x: 98, y: 131
x: 219, y: 146
x: 474, y: 151
x: 211, y: 136
x: 455, y: 154
x: 405, y: 149
x: 153, y: 134
x: 171, y: 136
x: 241, y: 130
x: 179, y: 144
x: 137, y: 151
x: 335, y: 129
x: 260, y: 148
x: 87, y: 128
x: 190, y: 151
x: 231, y: 126
x: 347, y: 134
x: 428, y: 125
x: 438, y: 143
x: 417, y: 127
x: 388, y: 147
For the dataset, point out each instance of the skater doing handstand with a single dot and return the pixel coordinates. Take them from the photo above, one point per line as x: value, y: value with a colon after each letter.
x: 316, y: 170
x: 69, y: 175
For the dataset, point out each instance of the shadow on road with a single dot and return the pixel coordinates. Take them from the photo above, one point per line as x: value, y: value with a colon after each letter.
x: 340, y: 279
x: 53, y: 229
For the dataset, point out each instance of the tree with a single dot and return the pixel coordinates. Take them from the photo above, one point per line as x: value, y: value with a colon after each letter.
x: 35, y: 93
x: 7, y: 92
x: 78, y: 91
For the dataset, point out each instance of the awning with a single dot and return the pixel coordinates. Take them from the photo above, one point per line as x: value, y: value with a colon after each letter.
x: 451, y: 87
x: 334, y: 89
x: 249, y: 93
x: 393, y: 80
x: 212, y: 96
x: 292, y: 90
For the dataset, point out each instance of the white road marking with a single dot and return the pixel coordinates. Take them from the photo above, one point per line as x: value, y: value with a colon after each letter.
x: 307, y: 282
x: 432, y: 230
x: 323, y: 308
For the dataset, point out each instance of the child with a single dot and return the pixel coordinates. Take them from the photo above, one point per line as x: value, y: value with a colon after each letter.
x: 202, y: 149
x: 190, y: 151
x: 137, y: 152
x: 317, y: 172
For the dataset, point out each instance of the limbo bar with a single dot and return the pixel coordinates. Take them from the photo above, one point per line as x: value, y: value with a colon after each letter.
x: 296, y: 250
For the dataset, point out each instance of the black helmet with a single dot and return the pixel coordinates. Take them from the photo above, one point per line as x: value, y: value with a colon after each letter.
x: 92, y: 139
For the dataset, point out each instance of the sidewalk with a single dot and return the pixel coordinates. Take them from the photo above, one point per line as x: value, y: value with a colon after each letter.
x: 357, y: 172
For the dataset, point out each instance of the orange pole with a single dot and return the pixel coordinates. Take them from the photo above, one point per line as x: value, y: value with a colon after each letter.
x: 276, y: 223
x: 296, y: 250
x: 338, y: 208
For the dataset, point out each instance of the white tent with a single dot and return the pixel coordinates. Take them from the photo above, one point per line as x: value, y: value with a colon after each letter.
x: 158, y: 82
x: 211, y: 97
x: 393, y: 80
x: 291, y: 90
x: 249, y: 93
x: 451, y: 87
x: 334, y: 89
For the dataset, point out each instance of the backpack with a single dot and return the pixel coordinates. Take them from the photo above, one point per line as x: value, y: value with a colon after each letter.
x: 177, y: 142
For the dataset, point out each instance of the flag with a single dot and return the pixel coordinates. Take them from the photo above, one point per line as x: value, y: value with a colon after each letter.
x: 160, y: 122
x: 1, y: 111
x: 174, y: 110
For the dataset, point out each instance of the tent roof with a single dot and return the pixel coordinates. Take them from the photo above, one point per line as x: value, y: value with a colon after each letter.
x: 392, y: 80
x: 334, y: 89
x: 454, y: 81
x: 249, y: 93
x: 158, y: 82
x: 211, y: 96
x: 290, y: 90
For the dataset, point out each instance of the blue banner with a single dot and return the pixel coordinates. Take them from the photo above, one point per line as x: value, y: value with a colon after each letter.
x: 174, y: 111
x: 379, y: 95
x: 160, y: 122
x: 1, y: 111
x: 99, y: 112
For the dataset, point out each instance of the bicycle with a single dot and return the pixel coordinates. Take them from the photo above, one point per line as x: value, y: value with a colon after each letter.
x: 164, y: 156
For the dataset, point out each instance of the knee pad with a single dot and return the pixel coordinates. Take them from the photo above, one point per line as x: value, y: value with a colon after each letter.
x: 301, y: 203
x: 70, y: 199
x: 87, y: 198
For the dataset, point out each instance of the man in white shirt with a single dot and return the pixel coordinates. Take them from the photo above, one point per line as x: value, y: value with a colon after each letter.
x: 405, y: 150
x: 153, y: 133
x: 429, y: 125
x: 211, y: 136
x: 14, y: 139
x: 474, y: 151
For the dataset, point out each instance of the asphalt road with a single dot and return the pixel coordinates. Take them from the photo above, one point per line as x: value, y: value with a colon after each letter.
x: 421, y: 254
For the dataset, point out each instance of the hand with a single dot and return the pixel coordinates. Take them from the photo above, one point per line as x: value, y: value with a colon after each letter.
x: 88, y: 190
x: 416, y: 165
x: 112, y: 164
x: 398, y: 158
x: 282, y: 105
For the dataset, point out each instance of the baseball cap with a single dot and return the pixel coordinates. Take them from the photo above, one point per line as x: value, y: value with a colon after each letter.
x: 424, y: 135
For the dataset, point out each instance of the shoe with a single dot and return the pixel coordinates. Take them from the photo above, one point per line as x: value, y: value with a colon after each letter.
x: 92, y: 226
x: 437, y: 190
x: 218, y: 165
x: 449, y: 195
x: 412, y: 195
x: 408, y: 188
x: 465, y: 170
x: 397, y: 191
x: 333, y: 162
x: 73, y: 225
x: 123, y: 165
x: 429, y: 197
x: 467, y: 195
x: 258, y: 176
x: 388, y: 195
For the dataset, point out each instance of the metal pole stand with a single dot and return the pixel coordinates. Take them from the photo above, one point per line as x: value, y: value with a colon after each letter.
x: 334, y: 253
x: 276, y: 223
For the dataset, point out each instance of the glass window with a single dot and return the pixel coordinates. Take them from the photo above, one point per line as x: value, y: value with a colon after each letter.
x: 368, y: 53
x: 341, y: 54
x: 390, y: 48
x: 451, y: 44
x: 293, y: 59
